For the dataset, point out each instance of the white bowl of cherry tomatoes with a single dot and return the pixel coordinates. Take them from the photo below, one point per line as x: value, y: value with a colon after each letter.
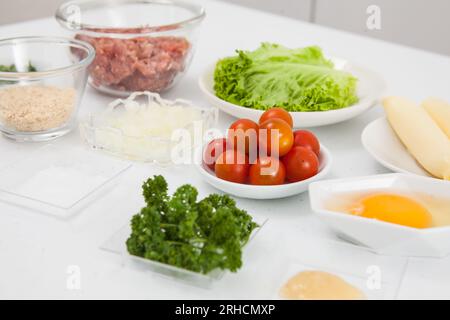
x: 264, y: 160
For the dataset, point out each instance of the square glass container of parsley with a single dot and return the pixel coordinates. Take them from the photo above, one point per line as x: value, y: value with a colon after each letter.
x: 116, y: 244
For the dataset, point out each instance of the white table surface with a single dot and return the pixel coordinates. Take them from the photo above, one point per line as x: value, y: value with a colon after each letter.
x: 37, y: 250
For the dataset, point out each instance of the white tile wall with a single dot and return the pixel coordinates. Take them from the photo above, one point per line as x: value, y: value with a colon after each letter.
x: 19, y: 10
x: 299, y: 9
x: 419, y: 23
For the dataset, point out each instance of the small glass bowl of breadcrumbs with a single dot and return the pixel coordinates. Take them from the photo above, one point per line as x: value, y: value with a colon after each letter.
x: 42, y: 81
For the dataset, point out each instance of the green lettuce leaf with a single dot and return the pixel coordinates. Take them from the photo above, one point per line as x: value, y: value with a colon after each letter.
x: 295, y: 79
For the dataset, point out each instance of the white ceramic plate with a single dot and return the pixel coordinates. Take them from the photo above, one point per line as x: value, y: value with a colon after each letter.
x: 383, y: 237
x: 263, y: 192
x: 370, y: 88
x: 380, y: 140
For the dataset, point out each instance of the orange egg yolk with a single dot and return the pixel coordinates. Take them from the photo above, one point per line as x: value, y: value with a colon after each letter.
x: 394, y: 209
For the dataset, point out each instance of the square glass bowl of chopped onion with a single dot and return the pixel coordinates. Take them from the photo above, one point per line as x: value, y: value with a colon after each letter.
x: 144, y: 127
x: 42, y: 83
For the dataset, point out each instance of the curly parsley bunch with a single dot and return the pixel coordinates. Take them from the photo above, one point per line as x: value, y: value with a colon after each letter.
x: 178, y: 230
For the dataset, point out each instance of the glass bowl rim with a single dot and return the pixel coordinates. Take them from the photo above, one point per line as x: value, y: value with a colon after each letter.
x: 85, y: 62
x: 197, y: 10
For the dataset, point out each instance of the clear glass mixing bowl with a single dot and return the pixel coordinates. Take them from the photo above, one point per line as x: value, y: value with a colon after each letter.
x: 141, y: 45
x: 42, y: 81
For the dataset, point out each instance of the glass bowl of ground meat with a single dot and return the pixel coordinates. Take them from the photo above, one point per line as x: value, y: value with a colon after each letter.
x: 141, y: 45
x: 41, y: 86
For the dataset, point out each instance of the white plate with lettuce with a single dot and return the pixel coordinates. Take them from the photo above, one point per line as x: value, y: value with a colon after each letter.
x: 316, y: 91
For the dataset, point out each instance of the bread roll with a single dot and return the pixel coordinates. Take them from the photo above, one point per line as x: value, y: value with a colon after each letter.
x: 423, y: 138
x: 439, y: 110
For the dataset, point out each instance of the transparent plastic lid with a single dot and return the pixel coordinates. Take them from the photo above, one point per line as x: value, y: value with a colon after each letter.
x: 378, y: 277
x: 59, y: 180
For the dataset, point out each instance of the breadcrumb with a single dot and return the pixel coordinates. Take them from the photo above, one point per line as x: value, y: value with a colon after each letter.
x: 36, y: 108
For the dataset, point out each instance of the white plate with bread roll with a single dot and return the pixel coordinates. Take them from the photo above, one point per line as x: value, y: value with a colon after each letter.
x: 412, y: 138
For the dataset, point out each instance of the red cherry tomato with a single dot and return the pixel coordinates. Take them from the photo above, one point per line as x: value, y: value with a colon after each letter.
x: 285, y: 136
x: 243, y: 131
x: 232, y: 166
x: 307, y: 139
x: 213, y: 150
x: 277, y: 113
x: 301, y: 163
x: 267, y: 171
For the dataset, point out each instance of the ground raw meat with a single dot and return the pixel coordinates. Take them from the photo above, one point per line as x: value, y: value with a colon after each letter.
x: 137, y: 64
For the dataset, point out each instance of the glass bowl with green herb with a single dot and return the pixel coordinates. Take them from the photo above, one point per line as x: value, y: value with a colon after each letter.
x: 181, y: 237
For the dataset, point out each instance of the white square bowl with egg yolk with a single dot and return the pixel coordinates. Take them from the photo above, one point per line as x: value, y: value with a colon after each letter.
x: 328, y: 198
